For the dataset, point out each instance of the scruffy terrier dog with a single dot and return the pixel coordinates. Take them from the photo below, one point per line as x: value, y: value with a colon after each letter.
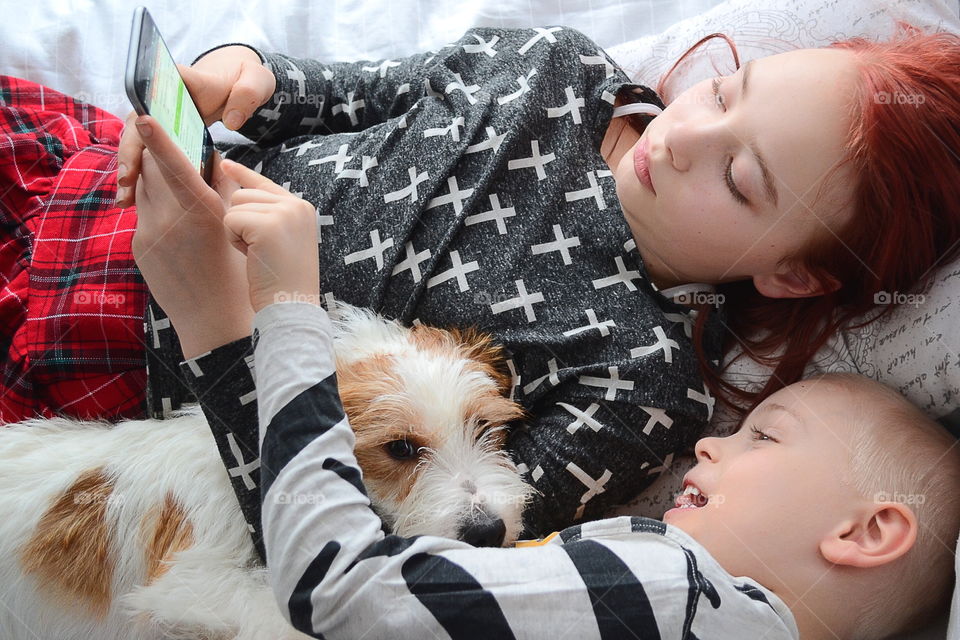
x: 132, y: 531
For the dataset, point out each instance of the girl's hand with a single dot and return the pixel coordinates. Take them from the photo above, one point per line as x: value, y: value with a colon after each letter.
x: 182, y: 250
x: 226, y: 84
x: 277, y: 231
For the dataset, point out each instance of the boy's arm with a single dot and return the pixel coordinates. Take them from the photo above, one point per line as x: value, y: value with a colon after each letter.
x: 336, y: 575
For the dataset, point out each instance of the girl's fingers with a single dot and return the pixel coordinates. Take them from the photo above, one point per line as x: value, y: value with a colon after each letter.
x: 250, y: 179
x: 243, y: 196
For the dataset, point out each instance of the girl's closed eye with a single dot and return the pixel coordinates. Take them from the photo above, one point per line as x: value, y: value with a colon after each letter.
x: 757, y: 434
x: 727, y: 175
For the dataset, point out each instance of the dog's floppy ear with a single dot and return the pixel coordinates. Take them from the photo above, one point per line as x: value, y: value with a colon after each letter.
x: 479, y: 346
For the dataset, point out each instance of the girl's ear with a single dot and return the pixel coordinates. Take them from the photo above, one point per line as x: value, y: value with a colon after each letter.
x: 793, y: 282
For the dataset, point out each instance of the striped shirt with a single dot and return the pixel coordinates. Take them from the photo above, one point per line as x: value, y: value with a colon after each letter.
x: 337, y: 575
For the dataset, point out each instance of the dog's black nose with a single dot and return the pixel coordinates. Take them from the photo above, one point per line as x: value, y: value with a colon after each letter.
x: 488, y: 532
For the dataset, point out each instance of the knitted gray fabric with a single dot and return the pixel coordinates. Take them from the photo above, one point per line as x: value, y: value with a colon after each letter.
x: 465, y: 187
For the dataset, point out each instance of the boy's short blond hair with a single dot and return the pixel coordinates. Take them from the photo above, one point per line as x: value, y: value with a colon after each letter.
x: 899, y: 454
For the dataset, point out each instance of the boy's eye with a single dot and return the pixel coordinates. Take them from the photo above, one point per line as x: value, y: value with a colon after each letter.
x: 760, y: 435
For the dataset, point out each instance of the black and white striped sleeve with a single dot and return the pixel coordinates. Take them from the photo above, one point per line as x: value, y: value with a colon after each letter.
x: 335, y: 574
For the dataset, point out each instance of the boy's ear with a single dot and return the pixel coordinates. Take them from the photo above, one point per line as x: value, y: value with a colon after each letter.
x: 886, y: 532
x: 793, y: 282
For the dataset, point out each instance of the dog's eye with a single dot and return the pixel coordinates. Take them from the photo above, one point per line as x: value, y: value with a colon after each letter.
x: 401, y: 449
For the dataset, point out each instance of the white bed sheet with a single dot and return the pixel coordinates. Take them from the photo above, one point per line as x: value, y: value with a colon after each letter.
x: 79, y: 47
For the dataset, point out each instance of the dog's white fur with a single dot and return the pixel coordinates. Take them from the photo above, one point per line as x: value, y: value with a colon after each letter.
x: 209, y: 584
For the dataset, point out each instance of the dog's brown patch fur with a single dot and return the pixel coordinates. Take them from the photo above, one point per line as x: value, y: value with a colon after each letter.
x: 70, y: 551
x: 359, y: 383
x: 166, y: 530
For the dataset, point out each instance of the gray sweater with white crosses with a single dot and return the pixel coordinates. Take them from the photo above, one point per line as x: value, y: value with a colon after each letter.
x: 465, y: 187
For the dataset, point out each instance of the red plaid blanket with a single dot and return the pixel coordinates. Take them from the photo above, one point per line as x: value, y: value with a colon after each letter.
x: 72, y: 299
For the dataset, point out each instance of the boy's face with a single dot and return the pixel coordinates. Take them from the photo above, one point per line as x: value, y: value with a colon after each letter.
x: 774, y: 494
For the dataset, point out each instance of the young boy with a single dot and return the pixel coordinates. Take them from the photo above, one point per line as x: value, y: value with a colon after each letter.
x: 832, y: 513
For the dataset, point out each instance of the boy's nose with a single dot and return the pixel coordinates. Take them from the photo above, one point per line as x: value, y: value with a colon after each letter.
x: 706, y: 449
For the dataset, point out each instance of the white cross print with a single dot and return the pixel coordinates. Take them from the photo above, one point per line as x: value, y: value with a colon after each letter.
x: 573, y: 106
x: 458, y: 271
x: 454, y: 197
x: 302, y: 148
x: 593, y: 191
x: 663, y: 343
x: 322, y: 221
x: 583, y: 418
x: 366, y: 163
x: 412, y: 262
x: 514, y: 378
x: 600, y: 326
x: 687, y: 321
x: 622, y: 275
x: 340, y: 159
x: 157, y: 326
x: 327, y: 74
x: 453, y: 129
x: 376, y: 250
x: 270, y: 114
x: 492, y: 142
x: 551, y: 375
x: 383, y: 68
x: 430, y: 90
x: 667, y: 461
x: 561, y: 245
x: 350, y: 107
x: 611, y: 384
x: 410, y: 190
x: 402, y: 89
x: 595, y: 487
x: 467, y: 90
x: 657, y: 416
x: 330, y: 304
x: 482, y: 46
x: 524, y: 301
x: 524, y: 82
x: 315, y: 120
x: 497, y: 214
x: 535, y: 161
x: 596, y: 60
x: 541, y: 35
x: 703, y: 398
x: 295, y: 73
x: 243, y: 469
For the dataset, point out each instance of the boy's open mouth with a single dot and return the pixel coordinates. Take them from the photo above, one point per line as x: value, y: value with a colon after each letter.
x: 691, y: 498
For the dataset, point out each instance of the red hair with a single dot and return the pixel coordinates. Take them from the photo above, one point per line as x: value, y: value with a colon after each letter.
x: 904, y: 148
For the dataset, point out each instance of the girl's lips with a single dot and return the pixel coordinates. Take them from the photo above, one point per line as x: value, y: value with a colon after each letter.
x: 641, y: 164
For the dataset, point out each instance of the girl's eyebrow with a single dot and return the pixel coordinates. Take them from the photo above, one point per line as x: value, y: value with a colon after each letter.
x: 768, y: 184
